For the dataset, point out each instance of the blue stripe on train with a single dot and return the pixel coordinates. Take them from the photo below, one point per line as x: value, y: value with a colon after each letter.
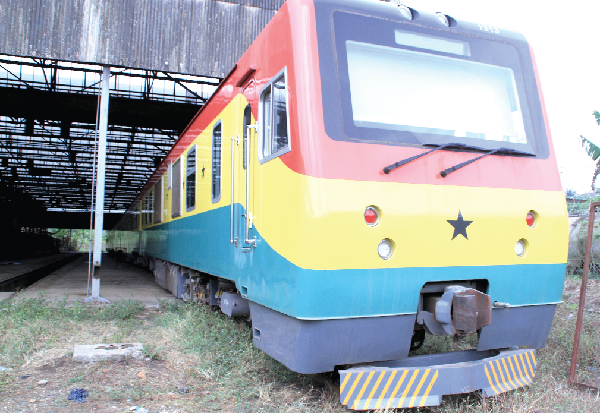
x: 202, y: 242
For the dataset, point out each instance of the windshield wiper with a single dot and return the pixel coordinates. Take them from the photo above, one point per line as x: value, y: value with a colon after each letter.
x: 448, y: 171
x: 398, y: 164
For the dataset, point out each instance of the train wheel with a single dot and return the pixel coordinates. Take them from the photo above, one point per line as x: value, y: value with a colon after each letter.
x: 417, y: 340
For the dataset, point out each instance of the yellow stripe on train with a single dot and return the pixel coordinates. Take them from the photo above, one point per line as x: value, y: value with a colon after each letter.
x: 325, y: 217
x: 318, y: 223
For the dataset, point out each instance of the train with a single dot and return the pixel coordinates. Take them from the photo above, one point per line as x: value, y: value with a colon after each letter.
x: 366, y: 175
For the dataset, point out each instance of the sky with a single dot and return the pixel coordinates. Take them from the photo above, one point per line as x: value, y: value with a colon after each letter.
x: 564, y: 37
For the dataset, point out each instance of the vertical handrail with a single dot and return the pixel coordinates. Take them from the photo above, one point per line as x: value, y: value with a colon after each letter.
x: 582, y: 292
x: 232, y: 239
x: 248, y: 213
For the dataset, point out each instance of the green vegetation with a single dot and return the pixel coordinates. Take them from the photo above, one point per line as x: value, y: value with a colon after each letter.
x: 200, y: 360
x: 593, y: 151
x: 579, y: 213
x: 36, y: 323
x: 75, y: 239
x: 579, y: 205
x: 121, y: 310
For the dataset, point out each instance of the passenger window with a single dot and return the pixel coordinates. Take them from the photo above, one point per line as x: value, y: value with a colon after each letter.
x: 147, y: 209
x: 247, y: 121
x: 216, y: 163
x: 170, y: 175
x: 190, y: 181
x: 158, y: 201
x: 150, y: 207
x: 274, y: 140
x: 176, y: 198
x: 136, y: 217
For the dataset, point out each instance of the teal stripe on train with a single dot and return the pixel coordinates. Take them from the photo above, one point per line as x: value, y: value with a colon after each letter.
x: 202, y: 242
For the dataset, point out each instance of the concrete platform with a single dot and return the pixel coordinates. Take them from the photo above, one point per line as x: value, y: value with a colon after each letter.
x: 14, y: 268
x: 114, y: 352
x: 118, y: 281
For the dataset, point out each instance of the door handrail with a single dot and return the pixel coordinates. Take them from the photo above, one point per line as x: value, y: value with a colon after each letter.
x: 232, y: 239
x: 248, y: 213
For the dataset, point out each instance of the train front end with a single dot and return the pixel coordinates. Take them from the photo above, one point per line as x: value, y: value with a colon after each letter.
x: 430, y: 201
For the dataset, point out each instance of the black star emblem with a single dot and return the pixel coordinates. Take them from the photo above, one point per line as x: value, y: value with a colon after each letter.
x: 460, y: 226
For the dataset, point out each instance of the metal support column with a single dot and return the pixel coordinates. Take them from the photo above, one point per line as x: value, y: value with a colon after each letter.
x: 100, y: 178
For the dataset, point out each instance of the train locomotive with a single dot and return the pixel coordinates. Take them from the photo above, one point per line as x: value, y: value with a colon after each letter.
x: 366, y: 174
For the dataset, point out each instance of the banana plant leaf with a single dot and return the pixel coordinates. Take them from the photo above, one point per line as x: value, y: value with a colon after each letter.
x: 591, y: 148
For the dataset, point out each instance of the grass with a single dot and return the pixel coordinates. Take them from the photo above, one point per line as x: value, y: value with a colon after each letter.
x: 36, y: 323
x: 213, y: 359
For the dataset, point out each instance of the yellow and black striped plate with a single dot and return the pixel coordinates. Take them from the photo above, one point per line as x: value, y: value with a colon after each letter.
x: 369, y: 387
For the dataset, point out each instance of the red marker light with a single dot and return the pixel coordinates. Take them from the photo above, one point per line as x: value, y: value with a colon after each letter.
x: 530, y: 219
x: 371, y: 216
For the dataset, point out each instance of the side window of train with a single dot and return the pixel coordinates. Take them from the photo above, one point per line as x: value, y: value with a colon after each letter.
x: 158, y: 201
x: 216, y: 163
x: 247, y: 121
x: 273, y: 119
x: 136, y: 217
x: 170, y: 175
x: 147, y: 208
x: 150, y: 207
x: 190, y: 180
x: 176, y: 196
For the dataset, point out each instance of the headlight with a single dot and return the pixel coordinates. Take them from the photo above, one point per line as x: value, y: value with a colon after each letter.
x: 520, y: 247
x: 443, y: 19
x: 385, y: 249
x: 405, y: 11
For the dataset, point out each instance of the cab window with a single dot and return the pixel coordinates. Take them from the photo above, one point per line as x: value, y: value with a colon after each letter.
x: 274, y: 123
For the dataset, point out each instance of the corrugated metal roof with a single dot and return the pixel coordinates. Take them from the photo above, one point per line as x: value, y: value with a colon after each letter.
x: 203, y: 37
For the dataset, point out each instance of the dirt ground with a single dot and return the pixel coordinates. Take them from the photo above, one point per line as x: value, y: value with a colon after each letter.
x: 198, y: 360
x: 592, y: 299
x: 112, y: 386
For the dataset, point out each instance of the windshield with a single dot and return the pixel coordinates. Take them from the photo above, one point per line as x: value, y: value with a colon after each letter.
x: 400, y: 83
x: 434, y: 94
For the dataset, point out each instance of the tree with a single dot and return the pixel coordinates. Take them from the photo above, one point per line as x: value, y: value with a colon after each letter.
x: 592, y: 150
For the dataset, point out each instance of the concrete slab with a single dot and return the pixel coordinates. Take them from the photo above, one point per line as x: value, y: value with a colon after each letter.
x: 113, y: 352
x: 118, y: 281
x: 14, y: 268
x: 5, y: 296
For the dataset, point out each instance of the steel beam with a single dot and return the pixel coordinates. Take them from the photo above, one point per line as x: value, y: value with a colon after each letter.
x: 102, y: 130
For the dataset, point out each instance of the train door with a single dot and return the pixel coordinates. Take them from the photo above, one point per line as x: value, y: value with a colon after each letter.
x: 243, y: 235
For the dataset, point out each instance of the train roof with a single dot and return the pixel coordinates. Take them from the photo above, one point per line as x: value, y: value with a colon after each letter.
x: 393, y: 11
